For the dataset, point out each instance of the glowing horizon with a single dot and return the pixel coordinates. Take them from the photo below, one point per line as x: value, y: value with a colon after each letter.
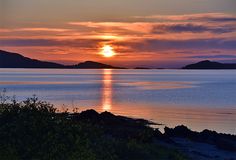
x: 154, y: 35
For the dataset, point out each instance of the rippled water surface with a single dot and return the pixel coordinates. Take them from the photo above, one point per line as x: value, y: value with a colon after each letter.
x: 197, y: 98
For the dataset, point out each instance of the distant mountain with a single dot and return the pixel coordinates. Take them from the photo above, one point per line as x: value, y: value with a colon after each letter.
x: 142, y: 68
x: 94, y: 65
x: 210, y: 65
x: 15, y: 60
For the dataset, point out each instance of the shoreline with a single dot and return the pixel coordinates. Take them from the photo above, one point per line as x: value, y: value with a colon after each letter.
x: 36, y: 125
x: 206, y: 144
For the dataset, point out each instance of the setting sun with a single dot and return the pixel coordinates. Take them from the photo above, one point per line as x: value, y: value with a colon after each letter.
x: 107, y: 51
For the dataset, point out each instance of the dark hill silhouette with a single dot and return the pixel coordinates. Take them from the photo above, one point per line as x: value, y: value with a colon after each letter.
x: 15, y: 60
x: 210, y: 65
x: 94, y: 65
x: 141, y: 68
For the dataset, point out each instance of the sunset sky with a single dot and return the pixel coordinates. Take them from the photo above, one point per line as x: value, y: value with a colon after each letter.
x: 147, y: 33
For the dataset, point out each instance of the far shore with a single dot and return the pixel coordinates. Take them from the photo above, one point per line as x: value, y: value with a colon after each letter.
x: 16, y: 60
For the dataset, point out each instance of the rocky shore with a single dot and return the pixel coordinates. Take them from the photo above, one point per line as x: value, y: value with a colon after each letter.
x: 35, y: 130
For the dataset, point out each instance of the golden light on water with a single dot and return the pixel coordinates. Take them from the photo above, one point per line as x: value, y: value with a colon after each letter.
x: 107, y: 51
x: 107, y: 90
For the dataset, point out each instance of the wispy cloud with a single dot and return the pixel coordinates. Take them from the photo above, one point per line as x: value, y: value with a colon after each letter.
x: 141, y: 37
x: 79, y: 43
x: 35, y: 29
x: 155, y: 45
x: 191, y: 27
x: 209, y: 17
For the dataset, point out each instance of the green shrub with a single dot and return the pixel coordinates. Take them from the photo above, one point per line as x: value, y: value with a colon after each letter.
x: 32, y: 129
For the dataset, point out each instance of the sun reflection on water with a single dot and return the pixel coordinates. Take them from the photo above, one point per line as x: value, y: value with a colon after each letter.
x: 107, y: 90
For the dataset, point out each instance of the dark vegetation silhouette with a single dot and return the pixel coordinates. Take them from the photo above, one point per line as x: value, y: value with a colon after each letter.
x: 210, y: 65
x: 33, y: 129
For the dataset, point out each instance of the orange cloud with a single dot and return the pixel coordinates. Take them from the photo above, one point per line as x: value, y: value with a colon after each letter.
x: 144, y: 39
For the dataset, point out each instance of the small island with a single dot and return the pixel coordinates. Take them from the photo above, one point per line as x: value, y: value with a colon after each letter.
x: 210, y: 65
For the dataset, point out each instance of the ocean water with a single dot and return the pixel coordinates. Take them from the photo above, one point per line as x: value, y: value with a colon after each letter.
x: 200, y: 99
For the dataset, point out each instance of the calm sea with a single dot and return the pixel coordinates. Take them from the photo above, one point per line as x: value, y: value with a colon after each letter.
x: 199, y: 99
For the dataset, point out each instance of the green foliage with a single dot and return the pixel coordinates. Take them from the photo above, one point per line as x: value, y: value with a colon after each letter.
x: 33, y: 129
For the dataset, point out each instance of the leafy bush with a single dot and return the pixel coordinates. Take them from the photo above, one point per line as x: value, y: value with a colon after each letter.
x: 32, y: 129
